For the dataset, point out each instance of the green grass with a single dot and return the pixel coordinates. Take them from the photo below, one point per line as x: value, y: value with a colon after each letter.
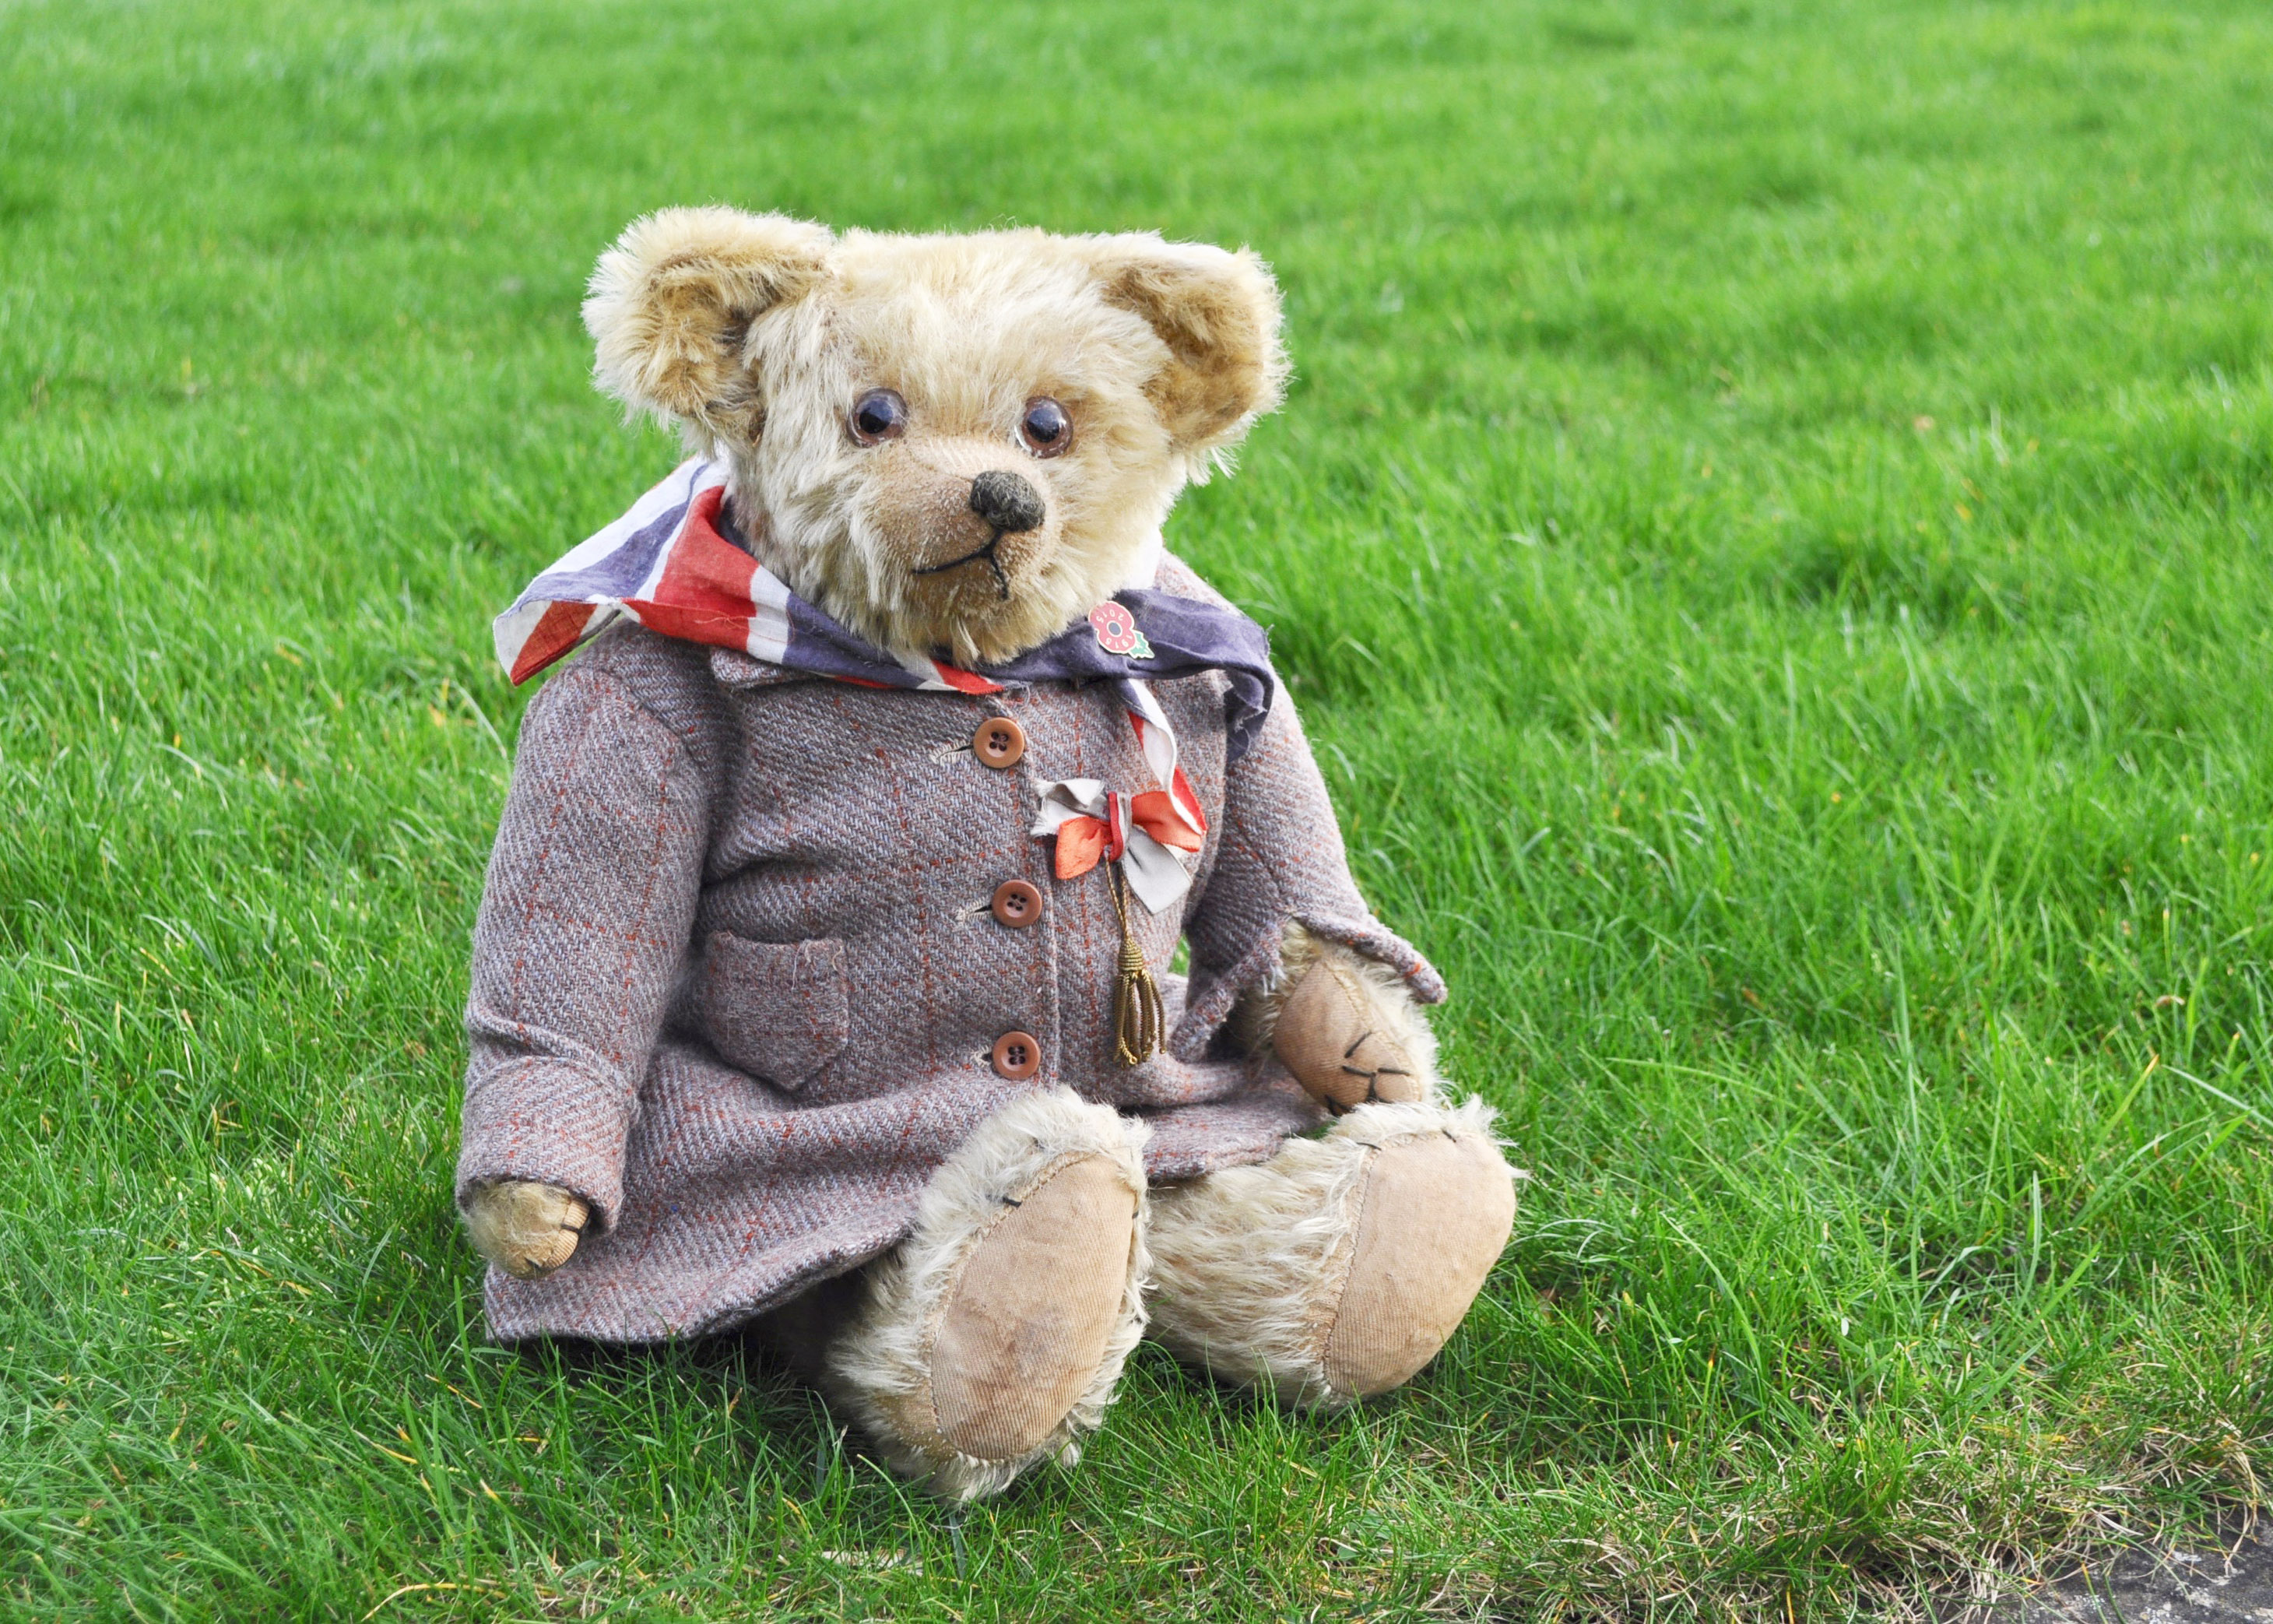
x: 1772, y: 535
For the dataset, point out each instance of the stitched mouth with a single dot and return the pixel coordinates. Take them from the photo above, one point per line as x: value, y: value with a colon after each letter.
x: 986, y: 552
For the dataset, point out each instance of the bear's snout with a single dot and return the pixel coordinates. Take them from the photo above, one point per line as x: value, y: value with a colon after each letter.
x: 1007, y: 502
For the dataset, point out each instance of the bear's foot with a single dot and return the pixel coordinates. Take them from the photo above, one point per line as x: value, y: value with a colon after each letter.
x: 993, y: 1337
x: 1337, y: 1268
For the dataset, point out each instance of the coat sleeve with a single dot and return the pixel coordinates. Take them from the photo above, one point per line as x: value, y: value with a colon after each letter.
x: 1280, y: 861
x: 584, y: 920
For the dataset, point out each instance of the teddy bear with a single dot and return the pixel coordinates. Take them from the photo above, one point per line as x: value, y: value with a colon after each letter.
x: 822, y: 978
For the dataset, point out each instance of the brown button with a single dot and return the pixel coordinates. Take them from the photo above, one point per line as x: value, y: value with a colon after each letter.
x: 1017, y: 904
x: 999, y: 741
x: 1018, y: 1056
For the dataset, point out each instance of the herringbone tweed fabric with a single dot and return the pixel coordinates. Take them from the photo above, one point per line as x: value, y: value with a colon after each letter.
x: 736, y: 981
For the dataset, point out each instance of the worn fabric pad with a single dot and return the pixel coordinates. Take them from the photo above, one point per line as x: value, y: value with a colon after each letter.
x: 1328, y: 1038
x: 1026, y: 1328
x: 1433, y: 1215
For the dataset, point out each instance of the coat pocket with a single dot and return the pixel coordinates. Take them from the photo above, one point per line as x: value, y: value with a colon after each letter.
x: 777, y: 1011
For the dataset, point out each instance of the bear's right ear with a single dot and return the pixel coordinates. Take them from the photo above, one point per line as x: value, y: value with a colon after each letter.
x: 671, y: 302
x: 1218, y: 315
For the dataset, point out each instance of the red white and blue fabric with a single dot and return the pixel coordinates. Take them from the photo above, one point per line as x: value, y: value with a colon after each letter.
x: 669, y: 564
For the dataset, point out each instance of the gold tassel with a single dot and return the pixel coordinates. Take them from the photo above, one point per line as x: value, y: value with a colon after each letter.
x: 1137, y: 1014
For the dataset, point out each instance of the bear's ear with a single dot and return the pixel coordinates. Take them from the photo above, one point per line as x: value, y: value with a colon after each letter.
x: 1217, y: 312
x: 672, y: 301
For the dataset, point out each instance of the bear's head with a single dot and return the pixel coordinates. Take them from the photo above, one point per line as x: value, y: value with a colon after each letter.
x: 954, y: 444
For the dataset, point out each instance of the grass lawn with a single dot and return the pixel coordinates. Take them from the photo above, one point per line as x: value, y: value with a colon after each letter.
x: 1774, y: 538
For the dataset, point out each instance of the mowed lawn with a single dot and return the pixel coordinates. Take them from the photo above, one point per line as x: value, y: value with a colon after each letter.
x: 1772, y: 534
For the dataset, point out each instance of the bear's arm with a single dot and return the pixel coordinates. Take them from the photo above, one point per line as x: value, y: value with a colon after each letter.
x: 584, y: 920
x: 1281, y: 865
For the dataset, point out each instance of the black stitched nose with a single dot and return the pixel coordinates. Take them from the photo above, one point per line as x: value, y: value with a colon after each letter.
x: 1006, y: 501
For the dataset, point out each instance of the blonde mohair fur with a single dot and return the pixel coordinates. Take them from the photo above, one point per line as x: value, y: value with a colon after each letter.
x: 1248, y: 1262
x: 670, y: 300
x: 878, y: 1369
x: 757, y: 334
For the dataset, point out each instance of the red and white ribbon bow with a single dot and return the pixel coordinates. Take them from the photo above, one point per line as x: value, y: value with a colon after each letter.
x: 1143, y: 832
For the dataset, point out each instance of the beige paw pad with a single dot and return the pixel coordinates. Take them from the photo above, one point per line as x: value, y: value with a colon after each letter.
x: 527, y: 1230
x: 1026, y: 1326
x: 1333, y: 1038
x: 1433, y: 1213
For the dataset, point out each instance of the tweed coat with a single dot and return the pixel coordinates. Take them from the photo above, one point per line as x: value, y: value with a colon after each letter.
x: 737, y: 983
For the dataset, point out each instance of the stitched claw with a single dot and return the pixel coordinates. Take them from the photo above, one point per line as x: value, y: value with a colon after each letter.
x: 1340, y: 1049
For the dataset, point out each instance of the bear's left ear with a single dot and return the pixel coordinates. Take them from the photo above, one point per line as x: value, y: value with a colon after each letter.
x: 1217, y: 312
x: 671, y: 302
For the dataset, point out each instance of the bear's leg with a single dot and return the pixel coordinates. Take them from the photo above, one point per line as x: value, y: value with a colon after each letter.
x: 1337, y: 1268
x: 990, y: 1339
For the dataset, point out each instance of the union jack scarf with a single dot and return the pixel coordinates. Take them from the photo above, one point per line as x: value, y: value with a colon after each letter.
x: 668, y: 565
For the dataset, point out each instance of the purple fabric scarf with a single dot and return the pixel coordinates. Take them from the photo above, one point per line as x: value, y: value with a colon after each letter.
x: 668, y: 565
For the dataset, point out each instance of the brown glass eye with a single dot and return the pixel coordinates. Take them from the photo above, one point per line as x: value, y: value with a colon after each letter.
x: 880, y: 414
x: 1046, y: 428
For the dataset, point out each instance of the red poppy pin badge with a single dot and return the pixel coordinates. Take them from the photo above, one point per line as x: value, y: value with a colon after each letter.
x: 1116, y: 631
